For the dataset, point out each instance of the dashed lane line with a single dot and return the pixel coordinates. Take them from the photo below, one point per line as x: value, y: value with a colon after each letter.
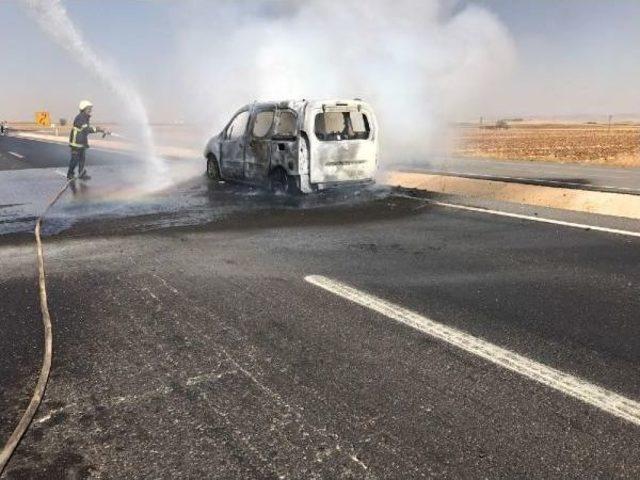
x: 17, y: 155
x: 594, y: 395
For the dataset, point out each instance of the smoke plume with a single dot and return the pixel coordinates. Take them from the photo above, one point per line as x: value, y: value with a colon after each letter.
x: 420, y: 63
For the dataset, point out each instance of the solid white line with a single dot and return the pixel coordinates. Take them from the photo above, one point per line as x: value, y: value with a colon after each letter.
x: 570, y: 385
x: 582, y: 226
x: 500, y: 213
x: 16, y: 154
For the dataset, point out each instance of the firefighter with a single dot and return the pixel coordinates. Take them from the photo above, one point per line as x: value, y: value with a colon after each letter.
x: 79, y: 140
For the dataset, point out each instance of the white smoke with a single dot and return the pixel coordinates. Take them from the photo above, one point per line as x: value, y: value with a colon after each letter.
x: 420, y: 63
x: 52, y: 17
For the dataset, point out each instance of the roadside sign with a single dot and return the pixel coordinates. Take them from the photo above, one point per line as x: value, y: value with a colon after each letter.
x: 43, y: 119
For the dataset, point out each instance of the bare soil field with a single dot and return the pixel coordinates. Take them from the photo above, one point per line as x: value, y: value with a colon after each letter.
x: 563, y: 143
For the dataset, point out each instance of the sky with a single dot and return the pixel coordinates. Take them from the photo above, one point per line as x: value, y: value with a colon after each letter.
x: 521, y: 58
x: 573, y: 57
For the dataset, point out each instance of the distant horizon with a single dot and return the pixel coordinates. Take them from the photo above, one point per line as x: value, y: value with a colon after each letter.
x: 616, y: 118
x: 545, y: 56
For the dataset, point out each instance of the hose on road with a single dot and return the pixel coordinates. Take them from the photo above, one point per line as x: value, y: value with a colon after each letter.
x: 36, y: 398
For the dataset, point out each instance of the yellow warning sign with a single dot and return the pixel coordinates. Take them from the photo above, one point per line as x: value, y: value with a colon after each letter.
x: 43, y: 119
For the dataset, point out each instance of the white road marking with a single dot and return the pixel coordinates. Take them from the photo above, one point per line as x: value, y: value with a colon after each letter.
x: 17, y: 155
x: 582, y: 226
x: 570, y: 385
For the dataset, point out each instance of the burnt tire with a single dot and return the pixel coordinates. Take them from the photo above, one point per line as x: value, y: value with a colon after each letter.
x: 213, y: 170
x: 279, y: 181
x: 282, y: 183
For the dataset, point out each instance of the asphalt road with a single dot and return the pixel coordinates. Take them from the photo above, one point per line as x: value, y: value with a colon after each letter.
x: 568, y: 175
x: 188, y: 343
x: 19, y: 154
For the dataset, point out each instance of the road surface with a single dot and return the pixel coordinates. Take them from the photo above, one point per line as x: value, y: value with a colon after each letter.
x: 568, y: 175
x: 17, y: 154
x: 194, y: 337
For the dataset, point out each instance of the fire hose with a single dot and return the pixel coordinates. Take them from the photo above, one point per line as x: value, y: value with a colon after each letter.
x: 38, y: 393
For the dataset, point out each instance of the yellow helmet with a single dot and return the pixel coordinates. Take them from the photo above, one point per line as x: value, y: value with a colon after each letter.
x: 84, y: 104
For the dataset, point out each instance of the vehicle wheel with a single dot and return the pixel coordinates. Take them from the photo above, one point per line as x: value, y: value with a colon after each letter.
x: 279, y: 181
x: 213, y: 171
x: 292, y: 188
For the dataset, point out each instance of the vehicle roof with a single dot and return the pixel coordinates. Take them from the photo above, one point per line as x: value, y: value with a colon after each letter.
x: 299, y: 104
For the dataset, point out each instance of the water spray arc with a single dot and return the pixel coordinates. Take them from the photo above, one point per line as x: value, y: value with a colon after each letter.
x: 52, y: 17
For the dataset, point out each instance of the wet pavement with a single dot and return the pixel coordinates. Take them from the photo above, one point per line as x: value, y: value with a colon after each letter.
x: 187, y: 343
x: 124, y: 189
x: 108, y: 198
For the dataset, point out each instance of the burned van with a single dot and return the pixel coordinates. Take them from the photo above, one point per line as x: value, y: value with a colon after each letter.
x: 297, y: 145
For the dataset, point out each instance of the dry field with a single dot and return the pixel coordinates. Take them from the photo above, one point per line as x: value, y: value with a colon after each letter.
x: 563, y: 143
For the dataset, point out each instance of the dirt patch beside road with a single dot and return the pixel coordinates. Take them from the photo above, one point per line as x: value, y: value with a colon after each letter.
x: 576, y: 143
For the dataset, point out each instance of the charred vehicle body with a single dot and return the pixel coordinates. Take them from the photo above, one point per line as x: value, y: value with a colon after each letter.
x: 297, y: 146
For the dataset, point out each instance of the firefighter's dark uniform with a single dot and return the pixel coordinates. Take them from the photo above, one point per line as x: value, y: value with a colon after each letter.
x: 79, y: 142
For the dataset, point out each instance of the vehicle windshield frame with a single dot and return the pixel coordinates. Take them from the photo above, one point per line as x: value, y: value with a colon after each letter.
x: 225, y: 132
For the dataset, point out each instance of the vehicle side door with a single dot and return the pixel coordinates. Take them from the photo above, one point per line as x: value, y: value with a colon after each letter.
x: 257, y: 154
x: 232, y: 146
x: 285, y: 143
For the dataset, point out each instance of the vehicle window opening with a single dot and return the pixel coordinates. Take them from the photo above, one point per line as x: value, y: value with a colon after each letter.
x: 262, y: 124
x: 286, y: 124
x: 238, y: 126
x: 333, y: 126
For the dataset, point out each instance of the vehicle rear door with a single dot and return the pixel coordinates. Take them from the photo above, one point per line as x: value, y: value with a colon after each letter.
x: 343, y: 146
x: 232, y: 146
